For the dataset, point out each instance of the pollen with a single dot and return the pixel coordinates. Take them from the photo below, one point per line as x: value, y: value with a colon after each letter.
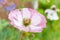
x: 26, y: 21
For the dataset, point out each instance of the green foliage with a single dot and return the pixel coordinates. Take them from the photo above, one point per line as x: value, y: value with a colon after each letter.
x: 9, y: 34
x: 3, y: 24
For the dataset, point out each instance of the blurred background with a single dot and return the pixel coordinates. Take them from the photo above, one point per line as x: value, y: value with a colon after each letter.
x: 8, y: 32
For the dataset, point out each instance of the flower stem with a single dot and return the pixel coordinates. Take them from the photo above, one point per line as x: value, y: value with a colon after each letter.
x: 21, y: 36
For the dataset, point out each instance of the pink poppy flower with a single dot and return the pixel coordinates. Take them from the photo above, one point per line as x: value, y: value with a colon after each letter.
x: 27, y: 20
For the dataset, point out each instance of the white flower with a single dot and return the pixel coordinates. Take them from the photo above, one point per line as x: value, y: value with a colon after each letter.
x: 35, y: 4
x: 51, y: 14
x: 53, y: 6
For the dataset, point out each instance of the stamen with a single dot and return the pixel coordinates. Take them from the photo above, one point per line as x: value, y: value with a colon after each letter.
x: 26, y: 21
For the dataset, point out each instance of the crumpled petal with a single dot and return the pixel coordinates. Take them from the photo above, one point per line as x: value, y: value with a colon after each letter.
x: 26, y: 13
x: 36, y: 19
x: 35, y: 28
x: 43, y: 22
x: 15, y: 17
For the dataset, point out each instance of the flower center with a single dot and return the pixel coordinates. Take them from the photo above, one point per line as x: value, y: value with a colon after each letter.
x: 53, y: 8
x: 26, y: 21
